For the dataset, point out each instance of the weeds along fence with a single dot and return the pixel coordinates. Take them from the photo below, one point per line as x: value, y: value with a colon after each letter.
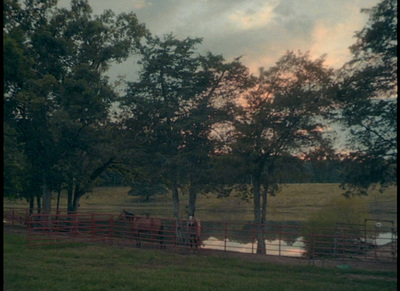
x: 345, y: 241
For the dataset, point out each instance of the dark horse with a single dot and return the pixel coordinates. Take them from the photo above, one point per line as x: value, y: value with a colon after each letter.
x: 151, y: 225
x: 194, y: 230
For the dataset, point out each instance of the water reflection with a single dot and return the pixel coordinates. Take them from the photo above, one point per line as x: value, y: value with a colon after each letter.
x: 293, y: 247
x: 280, y: 240
x: 275, y: 247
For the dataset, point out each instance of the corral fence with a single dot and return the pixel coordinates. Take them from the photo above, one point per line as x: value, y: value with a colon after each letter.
x: 365, y: 242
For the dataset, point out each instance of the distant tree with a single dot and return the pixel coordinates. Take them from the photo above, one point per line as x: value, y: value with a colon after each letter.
x: 367, y: 89
x: 147, y: 189
x: 278, y: 121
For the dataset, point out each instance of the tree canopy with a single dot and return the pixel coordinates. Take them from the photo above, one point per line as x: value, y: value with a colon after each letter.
x: 56, y: 96
x: 191, y: 120
x: 367, y: 93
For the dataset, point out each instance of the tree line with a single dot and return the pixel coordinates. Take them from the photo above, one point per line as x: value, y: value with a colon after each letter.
x: 190, y: 120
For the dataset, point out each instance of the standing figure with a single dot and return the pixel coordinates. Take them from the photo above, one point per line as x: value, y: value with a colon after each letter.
x: 194, y: 230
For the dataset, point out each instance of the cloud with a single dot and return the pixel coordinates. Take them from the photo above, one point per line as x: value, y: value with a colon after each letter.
x: 261, y: 30
x: 333, y: 37
x: 140, y: 4
x: 248, y: 16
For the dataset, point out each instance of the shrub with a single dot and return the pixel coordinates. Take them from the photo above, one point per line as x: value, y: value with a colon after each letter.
x: 335, y: 228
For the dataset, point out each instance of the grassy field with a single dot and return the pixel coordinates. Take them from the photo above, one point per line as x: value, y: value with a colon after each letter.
x: 294, y: 203
x: 94, y: 267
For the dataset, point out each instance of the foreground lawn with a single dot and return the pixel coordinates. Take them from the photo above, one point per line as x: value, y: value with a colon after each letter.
x: 93, y: 267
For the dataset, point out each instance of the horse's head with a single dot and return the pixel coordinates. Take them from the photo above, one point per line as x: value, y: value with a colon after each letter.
x: 194, y: 222
x: 125, y: 215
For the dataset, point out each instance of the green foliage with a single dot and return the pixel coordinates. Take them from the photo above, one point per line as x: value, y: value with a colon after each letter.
x: 366, y: 91
x: 172, y: 108
x: 280, y: 119
x: 56, y: 97
x: 147, y: 189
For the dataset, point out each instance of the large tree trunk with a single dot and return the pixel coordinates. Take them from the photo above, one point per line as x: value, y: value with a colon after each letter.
x: 78, y: 193
x: 46, y: 199
x: 31, y: 204
x: 192, y: 200
x: 39, y: 203
x: 261, y: 248
x: 75, y: 204
x: 175, y: 199
x: 46, y: 202
x: 58, y: 201
x: 70, y: 193
x: 74, y: 195
x: 264, y: 203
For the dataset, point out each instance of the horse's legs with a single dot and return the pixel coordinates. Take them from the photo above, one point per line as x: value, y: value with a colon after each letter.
x: 137, y: 236
x: 192, y: 240
x: 161, y: 238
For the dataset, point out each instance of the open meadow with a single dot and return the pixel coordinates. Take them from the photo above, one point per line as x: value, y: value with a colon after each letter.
x: 295, y: 202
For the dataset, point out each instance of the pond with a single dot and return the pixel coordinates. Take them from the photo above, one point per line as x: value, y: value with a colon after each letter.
x: 278, y: 247
x: 275, y: 247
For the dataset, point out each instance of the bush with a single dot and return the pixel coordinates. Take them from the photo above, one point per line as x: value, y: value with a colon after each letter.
x: 335, y: 228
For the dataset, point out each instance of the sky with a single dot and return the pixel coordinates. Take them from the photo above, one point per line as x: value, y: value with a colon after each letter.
x: 259, y: 30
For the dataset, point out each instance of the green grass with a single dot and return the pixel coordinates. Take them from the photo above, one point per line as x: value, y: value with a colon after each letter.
x: 295, y: 202
x: 96, y: 267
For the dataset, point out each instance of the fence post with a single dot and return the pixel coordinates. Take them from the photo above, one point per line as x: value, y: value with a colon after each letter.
x: 175, y: 232
x: 27, y: 211
x: 131, y: 227
x: 312, y: 244
x: 112, y: 228
x: 376, y: 246
x: 92, y: 226
x: 366, y: 243
x: 28, y: 225
x: 75, y: 224
x: 226, y: 235
x: 344, y: 243
x: 12, y: 217
x: 252, y: 239
x: 280, y: 238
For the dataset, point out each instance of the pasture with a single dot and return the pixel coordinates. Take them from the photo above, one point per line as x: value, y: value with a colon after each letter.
x: 98, y: 267
x: 295, y: 202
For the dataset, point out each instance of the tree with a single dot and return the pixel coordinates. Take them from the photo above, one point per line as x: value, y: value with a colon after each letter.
x: 171, y: 111
x: 57, y: 96
x: 367, y: 95
x: 279, y: 120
